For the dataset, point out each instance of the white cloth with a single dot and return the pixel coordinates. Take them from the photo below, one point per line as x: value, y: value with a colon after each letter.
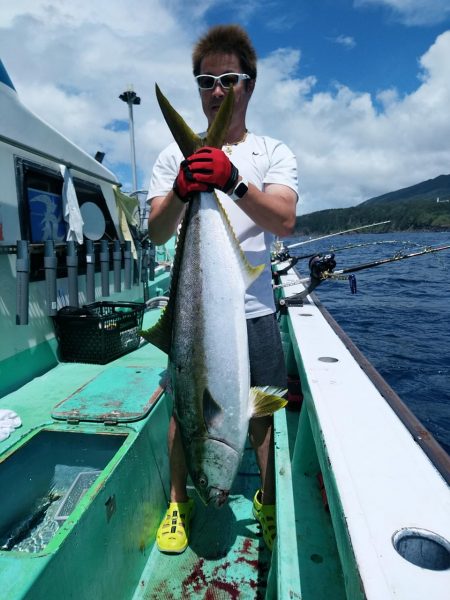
x: 261, y: 160
x: 71, y: 209
x: 9, y: 420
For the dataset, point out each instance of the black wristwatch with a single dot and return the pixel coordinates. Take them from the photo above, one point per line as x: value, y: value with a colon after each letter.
x: 240, y: 190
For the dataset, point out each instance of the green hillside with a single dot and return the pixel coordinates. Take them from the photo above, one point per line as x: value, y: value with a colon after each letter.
x: 413, y: 208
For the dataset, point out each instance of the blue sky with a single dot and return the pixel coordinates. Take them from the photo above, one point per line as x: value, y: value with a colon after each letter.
x: 346, y: 41
x: 359, y: 89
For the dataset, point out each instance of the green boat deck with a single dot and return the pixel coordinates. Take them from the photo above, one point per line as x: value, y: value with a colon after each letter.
x: 106, y: 547
x: 226, y: 552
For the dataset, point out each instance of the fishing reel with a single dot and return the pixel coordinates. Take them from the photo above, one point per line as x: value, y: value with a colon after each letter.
x: 321, y: 266
x: 283, y: 262
x: 281, y: 256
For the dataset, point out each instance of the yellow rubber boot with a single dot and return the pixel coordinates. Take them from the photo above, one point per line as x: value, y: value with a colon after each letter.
x: 265, y: 515
x: 172, y: 536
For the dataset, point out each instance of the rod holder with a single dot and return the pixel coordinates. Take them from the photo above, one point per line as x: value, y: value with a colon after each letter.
x: 137, y: 273
x: 151, y: 261
x: 127, y: 258
x: 104, y: 266
x: 72, y: 273
x: 144, y: 262
x: 90, y: 271
x: 117, y: 263
x: 22, y: 282
x: 144, y: 270
x: 50, y: 266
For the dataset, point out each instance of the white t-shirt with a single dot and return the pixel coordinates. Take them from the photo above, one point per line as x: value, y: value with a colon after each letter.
x: 261, y: 160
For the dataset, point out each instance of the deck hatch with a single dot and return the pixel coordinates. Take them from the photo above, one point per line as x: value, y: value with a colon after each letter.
x: 47, y: 476
x: 116, y: 395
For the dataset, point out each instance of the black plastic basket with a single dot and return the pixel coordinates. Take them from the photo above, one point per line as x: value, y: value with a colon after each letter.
x: 98, y: 332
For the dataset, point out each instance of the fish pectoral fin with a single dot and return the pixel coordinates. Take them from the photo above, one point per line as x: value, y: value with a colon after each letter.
x: 264, y: 401
x: 212, y: 411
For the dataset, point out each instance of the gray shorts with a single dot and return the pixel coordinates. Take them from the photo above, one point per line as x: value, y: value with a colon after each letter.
x: 267, y: 365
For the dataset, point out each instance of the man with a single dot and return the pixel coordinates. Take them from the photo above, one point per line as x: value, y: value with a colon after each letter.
x: 256, y: 180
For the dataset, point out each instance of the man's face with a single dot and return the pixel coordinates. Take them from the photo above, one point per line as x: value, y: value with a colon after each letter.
x: 218, y: 64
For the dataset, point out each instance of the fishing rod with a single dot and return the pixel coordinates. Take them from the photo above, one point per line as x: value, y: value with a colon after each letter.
x: 322, y: 268
x: 282, y: 261
x: 322, y: 237
x: 385, y: 261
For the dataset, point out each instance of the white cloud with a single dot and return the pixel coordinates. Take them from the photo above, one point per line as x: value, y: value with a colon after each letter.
x: 345, y: 40
x: 413, y: 12
x: 74, y: 59
x: 71, y: 65
x: 351, y: 146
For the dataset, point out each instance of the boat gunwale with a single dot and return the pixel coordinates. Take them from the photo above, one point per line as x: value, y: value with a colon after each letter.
x: 364, y: 545
x: 424, y: 438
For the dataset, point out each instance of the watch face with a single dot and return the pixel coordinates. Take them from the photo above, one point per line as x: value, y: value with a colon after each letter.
x: 240, y: 189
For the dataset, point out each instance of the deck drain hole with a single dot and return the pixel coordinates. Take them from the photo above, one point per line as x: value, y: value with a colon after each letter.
x: 329, y: 359
x: 423, y: 548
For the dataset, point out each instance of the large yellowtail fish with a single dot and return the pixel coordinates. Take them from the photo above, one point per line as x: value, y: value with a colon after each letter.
x: 203, y: 330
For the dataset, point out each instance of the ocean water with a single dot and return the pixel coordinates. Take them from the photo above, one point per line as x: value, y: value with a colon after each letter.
x: 399, y: 317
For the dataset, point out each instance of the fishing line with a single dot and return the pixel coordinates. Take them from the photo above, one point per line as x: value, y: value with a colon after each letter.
x: 360, y: 245
x: 328, y: 235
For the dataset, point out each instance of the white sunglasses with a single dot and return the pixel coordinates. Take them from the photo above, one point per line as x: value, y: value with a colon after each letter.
x: 208, y: 82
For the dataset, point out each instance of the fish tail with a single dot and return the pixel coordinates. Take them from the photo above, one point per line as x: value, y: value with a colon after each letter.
x: 187, y: 140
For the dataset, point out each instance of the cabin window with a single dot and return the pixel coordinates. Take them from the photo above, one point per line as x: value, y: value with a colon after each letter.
x: 40, y: 203
x: 41, y: 215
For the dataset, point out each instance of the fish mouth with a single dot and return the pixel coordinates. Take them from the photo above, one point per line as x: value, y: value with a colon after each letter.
x: 218, y: 497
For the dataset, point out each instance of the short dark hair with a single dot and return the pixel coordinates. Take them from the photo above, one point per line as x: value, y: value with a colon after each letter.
x: 226, y: 39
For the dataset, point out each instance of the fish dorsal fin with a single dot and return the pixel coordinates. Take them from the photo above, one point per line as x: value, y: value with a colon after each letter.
x: 212, y: 411
x: 249, y: 272
x: 264, y: 401
x: 160, y: 335
x: 187, y: 140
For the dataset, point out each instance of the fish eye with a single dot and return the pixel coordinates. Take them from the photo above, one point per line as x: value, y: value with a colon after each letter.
x: 202, y: 480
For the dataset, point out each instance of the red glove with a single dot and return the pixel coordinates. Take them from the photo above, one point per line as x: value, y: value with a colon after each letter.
x: 185, y: 186
x: 212, y: 167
